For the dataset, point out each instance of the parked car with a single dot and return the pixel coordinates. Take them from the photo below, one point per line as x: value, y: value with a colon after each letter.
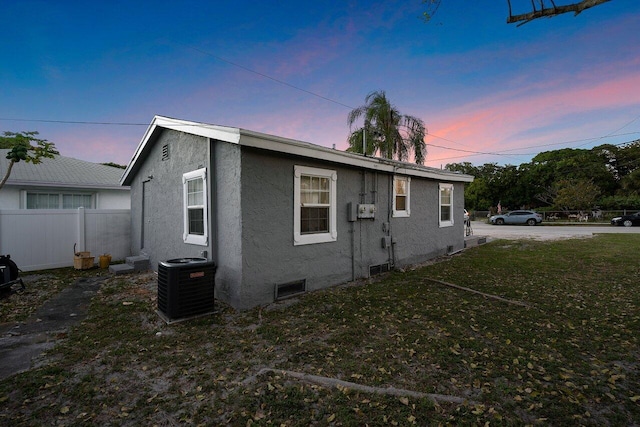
x: 517, y: 217
x: 627, y: 220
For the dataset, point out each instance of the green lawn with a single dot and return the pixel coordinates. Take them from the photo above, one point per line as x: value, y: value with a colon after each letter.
x: 567, y: 355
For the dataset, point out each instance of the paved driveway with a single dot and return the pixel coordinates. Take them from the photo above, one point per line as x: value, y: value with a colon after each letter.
x: 545, y: 232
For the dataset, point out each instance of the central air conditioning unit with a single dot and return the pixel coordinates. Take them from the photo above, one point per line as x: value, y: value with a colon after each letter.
x: 185, y: 287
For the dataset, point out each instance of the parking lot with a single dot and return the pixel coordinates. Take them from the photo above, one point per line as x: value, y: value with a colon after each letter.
x: 545, y: 232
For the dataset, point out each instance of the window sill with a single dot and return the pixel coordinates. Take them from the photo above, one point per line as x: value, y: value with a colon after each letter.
x: 311, y: 239
x: 195, y: 240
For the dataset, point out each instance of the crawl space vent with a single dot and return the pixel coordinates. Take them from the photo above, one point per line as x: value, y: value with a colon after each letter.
x: 286, y: 290
x: 378, y: 269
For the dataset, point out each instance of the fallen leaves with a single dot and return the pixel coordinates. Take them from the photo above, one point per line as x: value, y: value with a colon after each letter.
x: 568, y: 360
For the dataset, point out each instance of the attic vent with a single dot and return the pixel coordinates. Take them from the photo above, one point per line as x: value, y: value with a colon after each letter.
x: 378, y: 269
x: 165, y: 152
x: 286, y: 290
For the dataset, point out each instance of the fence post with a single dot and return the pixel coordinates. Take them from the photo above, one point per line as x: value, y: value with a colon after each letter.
x: 81, y: 230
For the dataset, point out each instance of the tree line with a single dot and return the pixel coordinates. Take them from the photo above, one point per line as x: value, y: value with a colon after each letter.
x: 605, y: 177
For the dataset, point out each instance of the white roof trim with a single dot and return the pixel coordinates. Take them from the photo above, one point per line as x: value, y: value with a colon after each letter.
x: 289, y: 146
x: 221, y: 133
x: 77, y: 186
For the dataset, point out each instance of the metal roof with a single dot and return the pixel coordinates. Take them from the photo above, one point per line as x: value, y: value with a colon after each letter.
x: 61, y: 172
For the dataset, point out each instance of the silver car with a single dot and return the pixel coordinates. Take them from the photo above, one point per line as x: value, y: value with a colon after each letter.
x: 517, y: 217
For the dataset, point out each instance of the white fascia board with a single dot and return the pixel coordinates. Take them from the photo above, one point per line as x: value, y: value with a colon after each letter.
x: 139, y: 149
x: 76, y: 186
x: 290, y: 146
x: 438, y: 174
x: 222, y: 133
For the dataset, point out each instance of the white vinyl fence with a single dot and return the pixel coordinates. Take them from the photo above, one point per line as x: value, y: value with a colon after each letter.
x: 40, y: 239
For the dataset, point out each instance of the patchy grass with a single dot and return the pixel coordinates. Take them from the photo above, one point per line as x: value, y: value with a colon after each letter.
x: 568, y: 358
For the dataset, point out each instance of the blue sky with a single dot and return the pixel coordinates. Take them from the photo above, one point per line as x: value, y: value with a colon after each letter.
x: 296, y: 70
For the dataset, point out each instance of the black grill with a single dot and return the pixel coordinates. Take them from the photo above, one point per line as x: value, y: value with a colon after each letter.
x: 185, y: 287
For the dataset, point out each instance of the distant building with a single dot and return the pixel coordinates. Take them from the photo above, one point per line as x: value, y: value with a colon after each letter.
x: 62, y: 183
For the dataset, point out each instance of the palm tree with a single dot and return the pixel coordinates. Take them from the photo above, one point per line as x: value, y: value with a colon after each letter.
x: 386, y: 131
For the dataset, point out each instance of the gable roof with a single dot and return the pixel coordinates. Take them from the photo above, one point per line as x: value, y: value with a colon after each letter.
x: 61, y: 171
x: 249, y: 138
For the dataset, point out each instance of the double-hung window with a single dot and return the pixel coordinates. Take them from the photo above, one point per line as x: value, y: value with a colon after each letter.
x: 446, y: 205
x: 195, y: 207
x: 401, y: 187
x: 314, y: 201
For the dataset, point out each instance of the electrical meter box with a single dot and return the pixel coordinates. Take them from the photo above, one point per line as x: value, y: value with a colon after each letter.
x: 366, y: 211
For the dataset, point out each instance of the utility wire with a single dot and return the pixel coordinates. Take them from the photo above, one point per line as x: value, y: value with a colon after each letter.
x: 74, y: 122
x: 234, y: 64
x: 204, y: 52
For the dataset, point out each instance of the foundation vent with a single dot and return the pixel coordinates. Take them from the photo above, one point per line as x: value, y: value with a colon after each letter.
x: 378, y: 269
x: 290, y: 289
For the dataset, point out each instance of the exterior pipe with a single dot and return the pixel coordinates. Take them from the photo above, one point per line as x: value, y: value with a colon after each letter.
x: 353, y: 251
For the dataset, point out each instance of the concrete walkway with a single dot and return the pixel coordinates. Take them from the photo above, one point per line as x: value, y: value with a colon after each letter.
x: 22, y: 343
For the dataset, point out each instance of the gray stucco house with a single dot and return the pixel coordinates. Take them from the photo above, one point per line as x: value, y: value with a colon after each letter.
x: 279, y: 216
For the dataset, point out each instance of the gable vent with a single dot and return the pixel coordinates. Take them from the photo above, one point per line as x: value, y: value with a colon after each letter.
x: 286, y: 290
x: 378, y: 269
x: 165, y: 152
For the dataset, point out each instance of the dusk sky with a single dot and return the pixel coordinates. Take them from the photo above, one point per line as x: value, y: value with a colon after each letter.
x: 90, y: 76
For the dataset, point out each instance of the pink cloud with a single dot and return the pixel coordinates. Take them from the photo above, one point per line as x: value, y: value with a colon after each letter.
x: 502, y: 122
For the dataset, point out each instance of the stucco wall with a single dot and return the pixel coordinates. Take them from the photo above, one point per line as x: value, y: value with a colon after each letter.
x: 251, y: 218
x: 227, y: 221
x: 270, y: 258
x: 162, y: 226
x: 420, y: 237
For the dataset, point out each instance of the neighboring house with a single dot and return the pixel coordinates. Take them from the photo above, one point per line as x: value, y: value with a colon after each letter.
x: 279, y: 216
x: 62, y: 183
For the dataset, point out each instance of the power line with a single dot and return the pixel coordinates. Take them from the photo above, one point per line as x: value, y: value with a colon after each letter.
x: 504, y: 152
x: 266, y: 76
x: 234, y: 64
x: 75, y: 122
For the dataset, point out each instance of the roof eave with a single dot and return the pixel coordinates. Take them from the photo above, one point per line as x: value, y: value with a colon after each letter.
x: 221, y: 133
x: 23, y: 183
x: 290, y: 146
x: 260, y: 140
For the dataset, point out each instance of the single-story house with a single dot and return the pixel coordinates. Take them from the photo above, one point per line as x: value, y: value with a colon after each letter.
x: 280, y: 216
x: 62, y: 183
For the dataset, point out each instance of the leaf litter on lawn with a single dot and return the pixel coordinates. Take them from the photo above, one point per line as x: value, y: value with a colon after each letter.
x: 569, y: 357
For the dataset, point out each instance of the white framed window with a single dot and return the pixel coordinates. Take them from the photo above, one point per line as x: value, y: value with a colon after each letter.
x: 59, y: 201
x: 314, y: 201
x: 194, y: 186
x: 446, y: 205
x: 401, y: 196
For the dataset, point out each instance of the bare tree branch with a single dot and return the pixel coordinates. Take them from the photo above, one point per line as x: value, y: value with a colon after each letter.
x: 554, y: 10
